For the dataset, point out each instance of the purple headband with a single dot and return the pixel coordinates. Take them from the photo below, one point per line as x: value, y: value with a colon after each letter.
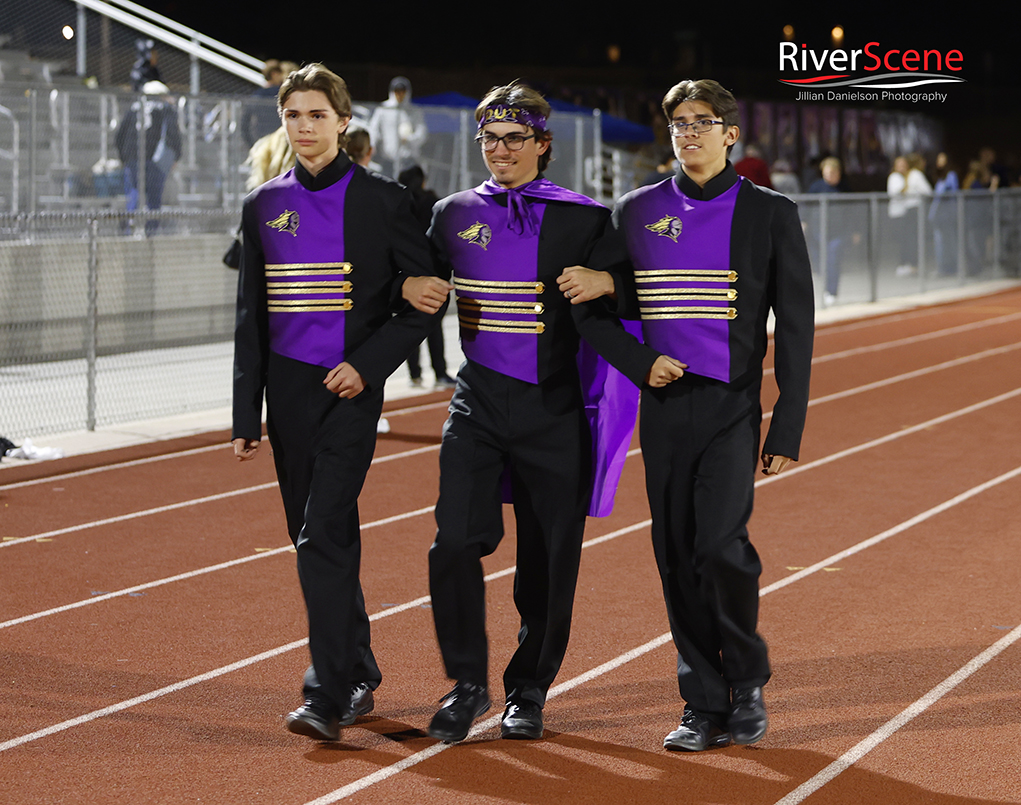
x: 498, y: 113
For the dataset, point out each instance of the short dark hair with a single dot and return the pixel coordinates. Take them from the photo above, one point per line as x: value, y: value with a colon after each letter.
x: 317, y: 78
x: 358, y: 144
x: 722, y: 102
x: 518, y: 94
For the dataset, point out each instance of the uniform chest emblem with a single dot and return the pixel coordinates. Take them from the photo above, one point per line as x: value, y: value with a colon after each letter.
x: 668, y: 226
x: 478, y: 233
x: 287, y: 221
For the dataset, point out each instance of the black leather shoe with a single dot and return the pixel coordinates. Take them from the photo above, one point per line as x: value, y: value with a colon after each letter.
x: 315, y: 719
x: 695, y: 733
x: 361, y: 704
x: 747, y: 722
x: 522, y: 720
x: 461, y: 707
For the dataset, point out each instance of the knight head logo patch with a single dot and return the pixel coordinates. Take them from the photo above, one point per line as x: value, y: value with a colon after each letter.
x: 668, y: 226
x: 478, y: 233
x: 287, y: 221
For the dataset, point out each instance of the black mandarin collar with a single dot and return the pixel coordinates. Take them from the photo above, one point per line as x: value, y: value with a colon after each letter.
x: 717, y: 186
x: 329, y: 175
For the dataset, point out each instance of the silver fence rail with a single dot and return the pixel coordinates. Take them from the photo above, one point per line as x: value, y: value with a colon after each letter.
x: 109, y: 317
x: 59, y: 148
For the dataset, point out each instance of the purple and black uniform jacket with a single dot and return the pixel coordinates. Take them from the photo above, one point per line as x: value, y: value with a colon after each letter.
x: 512, y: 316
x: 319, y: 276
x: 708, y: 264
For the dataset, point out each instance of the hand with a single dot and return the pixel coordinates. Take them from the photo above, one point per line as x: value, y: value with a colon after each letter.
x: 773, y: 465
x: 580, y: 284
x: 344, y: 381
x: 665, y: 370
x: 426, y: 294
x: 245, y: 449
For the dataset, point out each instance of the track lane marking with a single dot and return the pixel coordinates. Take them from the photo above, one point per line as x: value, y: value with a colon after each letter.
x: 431, y: 406
x: 574, y: 682
x: 789, y: 472
x: 178, y: 454
x: 907, y: 341
x: 919, y: 706
x: 413, y: 760
x: 417, y: 451
x: 193, y: 502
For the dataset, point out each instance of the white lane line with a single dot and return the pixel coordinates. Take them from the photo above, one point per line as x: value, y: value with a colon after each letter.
x: 798, y: 468
x: 194, y: 573
x: 193, y: 502
x: 412, y: 760
x: 663, y: 638
x: 889, y: 381
x: 180, y: 454
x: 913, y: 339
x: 859, y: 750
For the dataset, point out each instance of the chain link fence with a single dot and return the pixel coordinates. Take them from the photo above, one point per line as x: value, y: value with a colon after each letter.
x: 102, y: 323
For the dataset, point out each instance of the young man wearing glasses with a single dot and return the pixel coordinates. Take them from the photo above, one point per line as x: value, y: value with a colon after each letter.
x: 518, y: 418
x: 709, y: 255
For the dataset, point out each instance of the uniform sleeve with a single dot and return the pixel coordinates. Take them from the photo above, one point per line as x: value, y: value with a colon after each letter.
x: 251, y: 333
x: 379, y: 356
x: 793, y: 302
x: 599, y: 322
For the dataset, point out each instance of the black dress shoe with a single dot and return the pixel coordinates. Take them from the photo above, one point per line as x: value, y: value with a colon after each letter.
x: 695, y: 733
x: 747, y: 722
x: 315, y: 719
x: 361, y: 704
x: 522, y: 720
x: 465, y: 703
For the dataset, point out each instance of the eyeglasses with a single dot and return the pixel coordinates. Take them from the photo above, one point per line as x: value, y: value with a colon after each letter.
x: 513, y: 141
x: 697, y: 126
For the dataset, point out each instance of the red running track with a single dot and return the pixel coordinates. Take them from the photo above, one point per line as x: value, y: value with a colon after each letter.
x: 152, y: 628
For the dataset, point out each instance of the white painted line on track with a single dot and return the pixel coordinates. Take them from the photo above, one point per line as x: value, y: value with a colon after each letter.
x: 909, y: 340
x: 889, y: 381
x: 194, y: 573
x: 859, y: 750
x: 412, y: 760
x: 791, y: 471
x: 193, y: 502
x: 137, y: 462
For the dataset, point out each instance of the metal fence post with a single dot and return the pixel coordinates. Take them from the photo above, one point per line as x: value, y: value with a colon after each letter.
x: 80, y: 65
x: 92, y: 325
x: 997, y: 253
x: 873, y: 249
x: 961, y: 235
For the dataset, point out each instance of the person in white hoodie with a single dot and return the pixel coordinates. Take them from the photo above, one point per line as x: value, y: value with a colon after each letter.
x: 398, y: 129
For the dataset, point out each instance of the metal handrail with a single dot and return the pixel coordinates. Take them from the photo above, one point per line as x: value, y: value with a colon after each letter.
x: 191, y: 33
x: 187, y: 45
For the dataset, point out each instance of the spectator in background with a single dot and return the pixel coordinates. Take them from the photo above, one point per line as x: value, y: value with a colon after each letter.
x: 665, y: 168
x: 398, y: 129
x: 422, y: 201
x: 261, y: 117
x: 829, y: 182
x: 906, y: 185
x: 359, y: 147
x: 155, y: 116
x: 754, y: 167
x: 943, y: 216
x: 784, y: 179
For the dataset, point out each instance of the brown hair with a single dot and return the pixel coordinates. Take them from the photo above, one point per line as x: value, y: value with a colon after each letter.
x: 517, y: 94
x: 720, y: 100
x: 316, y: 78
x: 358, y: 144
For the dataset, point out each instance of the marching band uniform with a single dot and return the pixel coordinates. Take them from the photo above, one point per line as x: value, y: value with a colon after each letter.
x: 322, y: 256
x: 708, y: 265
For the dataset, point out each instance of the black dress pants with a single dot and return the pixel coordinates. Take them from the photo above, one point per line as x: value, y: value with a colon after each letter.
x: 322, y: 448
x: 539, y: 435
x: 700, y: 442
